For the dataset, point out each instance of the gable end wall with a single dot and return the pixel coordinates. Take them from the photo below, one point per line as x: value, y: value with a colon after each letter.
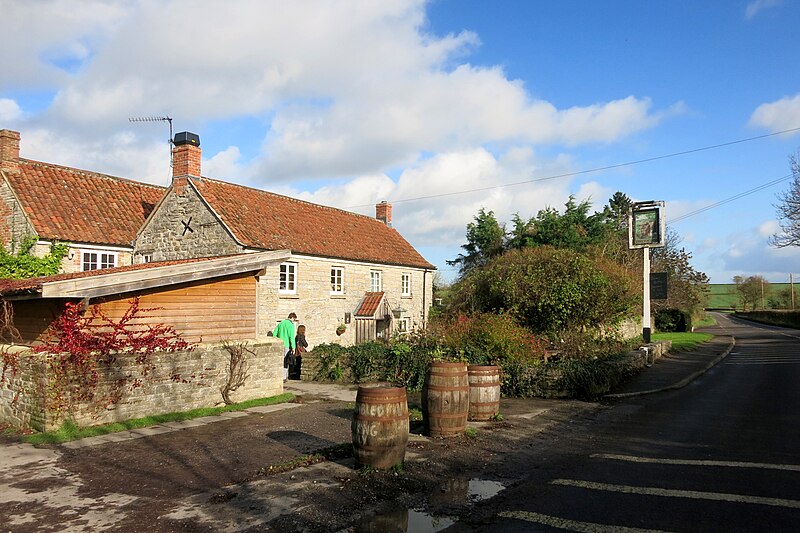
x: 165, y: 238
x: 14, y: 226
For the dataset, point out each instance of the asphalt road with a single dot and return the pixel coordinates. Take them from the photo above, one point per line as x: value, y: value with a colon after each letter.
x: 722, y: 454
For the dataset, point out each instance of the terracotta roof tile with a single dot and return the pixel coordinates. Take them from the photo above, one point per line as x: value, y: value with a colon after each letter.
x: 369, y: 305
x: 261, y: 219
x: 74, y: 205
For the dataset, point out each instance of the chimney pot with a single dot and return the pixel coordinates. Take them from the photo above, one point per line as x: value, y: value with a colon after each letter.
x: 186, y: 155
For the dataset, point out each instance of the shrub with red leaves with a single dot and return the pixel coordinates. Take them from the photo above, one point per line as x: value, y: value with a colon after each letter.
x: 83, y: 345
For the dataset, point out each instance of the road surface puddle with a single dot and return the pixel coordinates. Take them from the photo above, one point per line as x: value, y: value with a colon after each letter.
x: 404, y: 521
x: 452, y: 492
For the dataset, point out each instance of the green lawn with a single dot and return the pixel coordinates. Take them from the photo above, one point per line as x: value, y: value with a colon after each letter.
x: 682, y: 342
x: 69, y: 431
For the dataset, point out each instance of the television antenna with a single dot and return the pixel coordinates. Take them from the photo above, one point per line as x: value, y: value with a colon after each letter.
x: 165, y: 118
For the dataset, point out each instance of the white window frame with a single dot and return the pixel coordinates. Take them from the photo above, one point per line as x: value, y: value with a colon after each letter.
x: 405, y: 284
x: 287, y: 278
x: 403, y: 326
x: 98, y: 260
x: 337, y: 281
x: 375, y: 281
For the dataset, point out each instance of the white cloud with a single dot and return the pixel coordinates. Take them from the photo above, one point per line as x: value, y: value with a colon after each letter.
x: 224, y: 163
x: 436, y: 216
x: 769, y: 228
x: 9, y: 110
x: 115, y: 155
x: 779, y: 115
x: 756, y: 6
x: 349, y: 93
x: 343, y: 89
x: 42, y: 42
x: 748, y: 253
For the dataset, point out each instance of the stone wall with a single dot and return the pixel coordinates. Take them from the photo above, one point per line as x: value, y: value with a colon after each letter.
x: 165, y: 237
x: 321, y: 312
x: 14, y: 227
x: 181, y: 381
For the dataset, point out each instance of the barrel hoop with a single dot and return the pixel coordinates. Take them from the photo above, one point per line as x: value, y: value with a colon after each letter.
x: 447, y: 389
x: 381, y: 401
x: 442, y: 415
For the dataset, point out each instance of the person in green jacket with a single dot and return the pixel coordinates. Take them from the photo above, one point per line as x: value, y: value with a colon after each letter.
x: 285, y: 331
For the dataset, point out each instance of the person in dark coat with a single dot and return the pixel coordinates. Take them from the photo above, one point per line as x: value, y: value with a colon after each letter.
x: 301, y: 348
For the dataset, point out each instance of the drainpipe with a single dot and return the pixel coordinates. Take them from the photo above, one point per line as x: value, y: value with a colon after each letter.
x: 424, y: 298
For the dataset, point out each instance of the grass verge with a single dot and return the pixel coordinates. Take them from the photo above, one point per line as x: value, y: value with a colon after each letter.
x: 705, y: 322
x: 683, y: 342
x: 70, y: 431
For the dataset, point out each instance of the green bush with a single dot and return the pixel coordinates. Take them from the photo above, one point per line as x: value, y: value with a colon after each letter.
x: 399, y: 361
x: 580, y: 367
x: 332, y: 361
x: 672, y: 321
x: 521, y: 380
x: 547, y: 289
x: 488, y: 339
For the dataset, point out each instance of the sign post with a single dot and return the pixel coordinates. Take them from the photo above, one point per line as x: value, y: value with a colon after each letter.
x: 646, y: 229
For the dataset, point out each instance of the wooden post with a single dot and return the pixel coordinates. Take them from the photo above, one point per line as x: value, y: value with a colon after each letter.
x: 646, y: 297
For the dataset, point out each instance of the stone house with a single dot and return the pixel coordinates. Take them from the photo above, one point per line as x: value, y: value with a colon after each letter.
x: 97, y: 214
x: 335, y: 263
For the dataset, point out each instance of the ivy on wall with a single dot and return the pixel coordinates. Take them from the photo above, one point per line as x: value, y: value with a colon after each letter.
x: 23, y: 264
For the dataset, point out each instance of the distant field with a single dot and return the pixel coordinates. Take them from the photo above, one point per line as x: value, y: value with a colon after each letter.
x: 724, y: 294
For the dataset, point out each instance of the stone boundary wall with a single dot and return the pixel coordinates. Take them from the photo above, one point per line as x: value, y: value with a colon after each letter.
x: 777, y: 317
x: 636, y: 360
x: 181, y: 381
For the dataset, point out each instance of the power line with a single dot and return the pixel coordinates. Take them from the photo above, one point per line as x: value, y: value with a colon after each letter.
x: 731, y: 198
x: 588, y: 171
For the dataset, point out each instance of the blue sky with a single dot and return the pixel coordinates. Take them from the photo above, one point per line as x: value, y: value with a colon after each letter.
x: 351, y: 103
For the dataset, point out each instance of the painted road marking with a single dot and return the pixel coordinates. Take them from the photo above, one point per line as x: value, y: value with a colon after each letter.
x: 754, y: 362
x: 672, y: 493
x: 691, y: 462
x: 573, y: 525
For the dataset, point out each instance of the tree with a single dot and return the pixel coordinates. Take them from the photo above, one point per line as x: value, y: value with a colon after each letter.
x: 687, y: 287
x: 484, y: 241
x: 789, y: 209
x: 549, y: 289
x: 751, y: 290
x: 616, y: 212
x: 576, y: 229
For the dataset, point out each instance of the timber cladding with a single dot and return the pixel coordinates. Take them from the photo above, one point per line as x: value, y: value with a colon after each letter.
x: 203, y: 311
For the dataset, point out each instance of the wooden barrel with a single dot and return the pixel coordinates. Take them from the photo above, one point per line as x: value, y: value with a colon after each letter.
x: 484, y: 391
x: 380, y: 425
x: 445, y: 399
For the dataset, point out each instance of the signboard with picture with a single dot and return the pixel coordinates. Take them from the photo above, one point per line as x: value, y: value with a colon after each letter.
x: 646, y: 225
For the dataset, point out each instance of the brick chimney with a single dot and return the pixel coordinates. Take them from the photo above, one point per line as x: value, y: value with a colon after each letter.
x: 186, y: 155
x: 383, y: 212
x: 9, y: 151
